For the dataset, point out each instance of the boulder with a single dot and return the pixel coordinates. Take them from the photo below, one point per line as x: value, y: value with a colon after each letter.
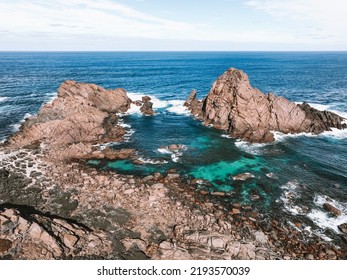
x: 5, y: 245
x: 343, y: 228
x: 261, y: 237
x: 332, y: 209
x: 244, y: 112
x: 243, y: 176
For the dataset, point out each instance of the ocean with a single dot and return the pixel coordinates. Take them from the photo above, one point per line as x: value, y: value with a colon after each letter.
x: 293, y: 177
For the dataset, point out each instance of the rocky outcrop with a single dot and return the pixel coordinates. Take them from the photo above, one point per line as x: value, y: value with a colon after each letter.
x: 193, y: 104
x: 81, y: 116
x: 32, y: 235
x: 244, y: 112
x: 147, y: 106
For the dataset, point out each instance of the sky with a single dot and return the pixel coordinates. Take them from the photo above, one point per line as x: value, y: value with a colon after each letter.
x: 176, y: 25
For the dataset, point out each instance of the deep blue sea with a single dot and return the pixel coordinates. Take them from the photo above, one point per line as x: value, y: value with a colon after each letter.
x: 294, y: 176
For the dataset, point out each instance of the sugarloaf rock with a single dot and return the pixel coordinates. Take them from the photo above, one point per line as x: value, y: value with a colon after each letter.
x: 244, y: 112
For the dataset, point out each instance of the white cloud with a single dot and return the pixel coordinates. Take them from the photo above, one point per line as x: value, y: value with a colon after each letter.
x: 315, y: 19
x: 98, y: 17
x: 26, y: 24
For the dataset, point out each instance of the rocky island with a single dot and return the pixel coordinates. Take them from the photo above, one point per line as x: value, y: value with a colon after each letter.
x: 53, y: 205
x: 244, y: 112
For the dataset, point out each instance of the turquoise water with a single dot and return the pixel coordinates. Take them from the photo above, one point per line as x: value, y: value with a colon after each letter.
x: 306, y: 170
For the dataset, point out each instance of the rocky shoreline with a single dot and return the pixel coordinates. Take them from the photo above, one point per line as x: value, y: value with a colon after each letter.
x: 53, y: 205
x: 73, y: 211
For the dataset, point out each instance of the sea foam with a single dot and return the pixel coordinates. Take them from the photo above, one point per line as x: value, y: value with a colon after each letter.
x: 152, y: 161
x: 323, y: 219
x: 250, y: 148
x: 16, y: 126
x: 175, y: 155
x: 50, y: 96
x: 288, y: 197
x: 172, y: 106
x: 177, y: 107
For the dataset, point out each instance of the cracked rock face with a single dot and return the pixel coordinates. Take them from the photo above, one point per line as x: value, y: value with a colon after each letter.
x: 244, y: 112
x: 82, y: 115
x: 38, y: 236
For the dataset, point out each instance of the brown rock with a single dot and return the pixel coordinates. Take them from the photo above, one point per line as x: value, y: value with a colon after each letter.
x: 137, y: 103
x: 343, y: 228
x: 70, y: 240
x: 175, y: 147
x: 193, y: 104
x: 129, y: 191
x: 105, y: 100
x: 5, y: 245
x: 331, y: 255
x: 173, y: 176
x: 56, y: 239
x: 217, y: 242
x: 147, y: 106
x: 234, y: 106
x: 81, y: 115
x: 235, y: 211
x: 35, y: 231
x: 237, y: 205
x: 331, y: 209
x: 204, y: 192
x: 113, y: 154
x: 261, y: 237
x: 218, y: 193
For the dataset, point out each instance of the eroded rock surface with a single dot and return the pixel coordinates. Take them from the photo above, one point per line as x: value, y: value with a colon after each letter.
x: 244, y: 112
x: 147, y: 106
x: 82, y: 115
x: 32, y: 235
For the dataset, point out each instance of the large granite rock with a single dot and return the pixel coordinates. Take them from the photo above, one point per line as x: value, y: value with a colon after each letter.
x: 245, y: 112
x: 81, y: 116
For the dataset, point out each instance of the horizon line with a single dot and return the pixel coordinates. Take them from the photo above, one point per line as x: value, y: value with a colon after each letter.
x: 215, y: 51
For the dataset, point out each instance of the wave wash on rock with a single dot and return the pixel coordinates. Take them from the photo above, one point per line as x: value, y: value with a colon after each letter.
x: 244, y: 112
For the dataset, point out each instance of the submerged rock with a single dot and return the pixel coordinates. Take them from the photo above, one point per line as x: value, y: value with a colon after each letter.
x: 175, y: 147
x: 244, y: 112
x: 243, y: 176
